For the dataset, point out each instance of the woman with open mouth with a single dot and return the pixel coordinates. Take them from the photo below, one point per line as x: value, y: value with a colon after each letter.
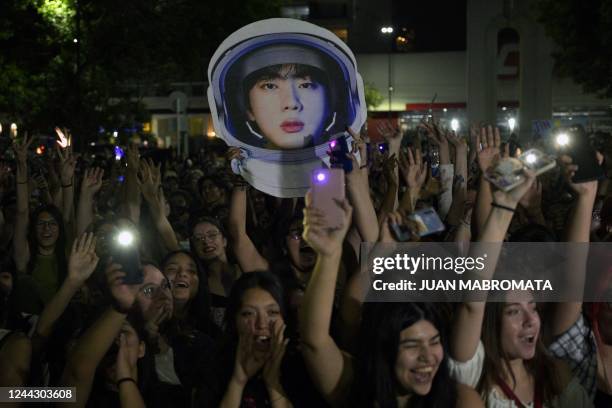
x: 256, y: 365
x: 401, y: 361
x: 497, y: 347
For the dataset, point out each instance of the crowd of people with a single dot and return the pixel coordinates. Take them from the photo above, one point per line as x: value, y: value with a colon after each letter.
x: 248, y: 300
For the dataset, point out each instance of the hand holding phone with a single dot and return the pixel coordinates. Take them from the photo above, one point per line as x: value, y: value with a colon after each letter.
x: 327, y: 188
x: 574, y: 143
x: 507, y: 173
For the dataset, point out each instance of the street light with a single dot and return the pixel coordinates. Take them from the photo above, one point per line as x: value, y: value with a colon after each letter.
x: 511, y: 124
x: 388, y: 30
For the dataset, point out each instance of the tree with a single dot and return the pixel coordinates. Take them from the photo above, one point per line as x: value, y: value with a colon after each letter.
x: 122, y: 51
x: 373, y: 97
x: 582, y: 30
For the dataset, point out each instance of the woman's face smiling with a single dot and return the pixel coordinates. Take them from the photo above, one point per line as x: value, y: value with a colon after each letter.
x: 419, y: 355
x: 182, y: 273
x: 289, y: 110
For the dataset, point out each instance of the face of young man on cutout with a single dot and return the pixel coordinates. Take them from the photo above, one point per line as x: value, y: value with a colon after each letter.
x: 288, y: 110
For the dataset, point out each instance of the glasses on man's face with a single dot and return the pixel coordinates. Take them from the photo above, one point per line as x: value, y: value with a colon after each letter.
x: 296, y: 234
x: 211, y: 236
x: 47, y: 224
x: 151, y: 290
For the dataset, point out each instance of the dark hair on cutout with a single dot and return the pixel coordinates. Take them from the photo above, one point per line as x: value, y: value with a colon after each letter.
x: 375, y: 380
x: 60, y: 244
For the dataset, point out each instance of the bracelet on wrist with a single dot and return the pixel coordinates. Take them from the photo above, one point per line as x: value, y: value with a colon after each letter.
x: 126, y: 379
x: 503, y: 207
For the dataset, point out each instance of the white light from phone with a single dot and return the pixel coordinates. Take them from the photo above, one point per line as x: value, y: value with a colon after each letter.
x: 511, y: 124
x: 531, y: 158
x: 115, y: 134
x: 562, y: 139
x: 321, y: 177
x: 125, y: 238
x: 455, y: 124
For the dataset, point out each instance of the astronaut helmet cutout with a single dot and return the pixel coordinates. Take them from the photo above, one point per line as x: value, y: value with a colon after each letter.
x: 281, y: 90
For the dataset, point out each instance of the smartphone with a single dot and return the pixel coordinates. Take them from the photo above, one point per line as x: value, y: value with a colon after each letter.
x: 428, y: 222
x: 338, y: 149
x: 508, y: 172
x: 401, y: 232
x: 578, y: 147
x: 327, y: 186
x: 125, y: 253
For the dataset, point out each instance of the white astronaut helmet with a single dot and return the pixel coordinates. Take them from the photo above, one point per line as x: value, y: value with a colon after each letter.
x: 275, y: 42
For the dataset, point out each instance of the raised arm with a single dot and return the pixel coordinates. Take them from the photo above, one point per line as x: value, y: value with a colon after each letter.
x: 91, y: 184
x: 21, y: 251
x: 95, y: 342
x: 81, y: 264
x: 67, y: 165
x: 131, y: 199
x: 578, y: 231
x: 488, y: 143
x: 359, y: 193
x: 330, y: 369
x: 150, y: 184
x: 467, y: 325
x: 437, y: 136
x: 414, y: 172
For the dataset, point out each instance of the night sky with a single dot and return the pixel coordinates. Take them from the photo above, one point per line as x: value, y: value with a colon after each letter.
x: 438, y: 25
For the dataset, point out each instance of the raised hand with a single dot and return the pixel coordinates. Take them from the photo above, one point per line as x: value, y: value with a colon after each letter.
x: 512, y: 197
x: 320, y: 237
x: 83, y: 259
x: 127, y: 358
x: 437, y: 136
x: 67, y: 164
x: 391, y: 134
x: 569, y: 171
x: 389, y: 166
x: 92, y: 181
x: 413, y: 169
x: 150, y: 180
x: 133, y: 157
x: 63, y: 141
x: 278, y: 345
x: 458, y: 143
x: 21, y: 150
x: 247, y: 362
x: 488, y: 143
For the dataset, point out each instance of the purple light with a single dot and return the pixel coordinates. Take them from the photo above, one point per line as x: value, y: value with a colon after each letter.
x: 332, y: 144
x: 320, y: 176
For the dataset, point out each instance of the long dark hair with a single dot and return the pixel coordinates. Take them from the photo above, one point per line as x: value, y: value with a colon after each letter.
x: 216, y: 385
x: 541, y: 366
x: 198, y: 309
x: 60, y: 244
x: 375, y: 380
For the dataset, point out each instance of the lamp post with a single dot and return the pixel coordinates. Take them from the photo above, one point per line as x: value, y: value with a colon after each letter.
x: 388, y: 30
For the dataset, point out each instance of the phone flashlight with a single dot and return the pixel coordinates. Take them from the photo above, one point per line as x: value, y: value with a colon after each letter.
x: 562, y: 139
x: 383, y: 147
x: 125, y: 253
x: 125, y: 238
x: 531, y: 158
x: 121, y: 179
x: 320, y: 177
